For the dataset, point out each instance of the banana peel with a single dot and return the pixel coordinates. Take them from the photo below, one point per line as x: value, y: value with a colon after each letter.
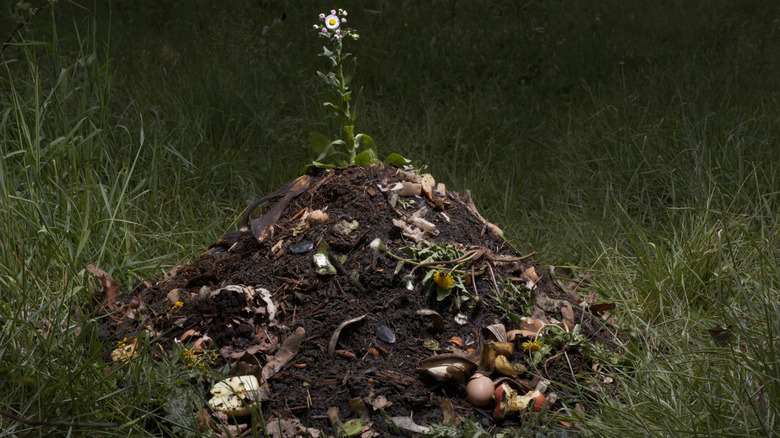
x: 487, y: 358
x: 507, y: 368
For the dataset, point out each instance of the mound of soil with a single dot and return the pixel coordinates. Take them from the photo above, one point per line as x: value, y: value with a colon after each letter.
x: 246, y: 295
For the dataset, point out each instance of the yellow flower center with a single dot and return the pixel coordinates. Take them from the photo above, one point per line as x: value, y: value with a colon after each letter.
x: 333, y: 21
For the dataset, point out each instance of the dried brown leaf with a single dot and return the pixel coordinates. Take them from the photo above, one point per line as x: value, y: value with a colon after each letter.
x: 513, y: 334
x: 289, y: 348
x: 599, y: 309
x: 334, y: 339
x: 531, y: 274
x: 290, y: 428
x: 110, y: 287
x: 567, y: 312
x: 174, y: 295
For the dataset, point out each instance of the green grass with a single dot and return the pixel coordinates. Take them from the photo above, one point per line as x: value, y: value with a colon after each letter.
x: 632, y: 140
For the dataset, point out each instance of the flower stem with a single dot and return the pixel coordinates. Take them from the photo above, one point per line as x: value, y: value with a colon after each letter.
x: 345, y: 115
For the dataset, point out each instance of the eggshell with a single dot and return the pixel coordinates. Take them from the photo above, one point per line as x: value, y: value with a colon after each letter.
x: 316, y: 217
x: 480, y: 390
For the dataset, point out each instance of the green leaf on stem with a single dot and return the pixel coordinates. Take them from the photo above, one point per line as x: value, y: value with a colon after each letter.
x: 368, y: 143
x: 396, y: 160
x: 319, y: 142
x: 329, y: 79
x: 442, y: 294
x: 365, y: 157
x: 330, y: 149
x: 323, y: 165
x: 335, y: 107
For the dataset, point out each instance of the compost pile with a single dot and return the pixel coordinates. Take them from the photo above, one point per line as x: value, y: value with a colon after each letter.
x: 363, y: 299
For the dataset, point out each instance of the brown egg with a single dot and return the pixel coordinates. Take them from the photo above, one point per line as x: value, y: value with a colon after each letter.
x: 480, y: 390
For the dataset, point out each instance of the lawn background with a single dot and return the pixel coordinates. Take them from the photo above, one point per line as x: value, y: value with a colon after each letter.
x: 632, y: 140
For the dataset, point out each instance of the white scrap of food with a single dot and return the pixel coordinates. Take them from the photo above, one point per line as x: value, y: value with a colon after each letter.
x: 235, y: 395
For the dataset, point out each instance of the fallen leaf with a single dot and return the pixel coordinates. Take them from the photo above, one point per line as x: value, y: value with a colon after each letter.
x: 334, y: 339
x: 567, y: 312
x: 720, y: 333
x: 128, y: 310
x: 174, y: 295
x: 566, y: 325
x: 410, y: 231
x: 380, y: 403
x: 233, y: 431
x: 548, y: 304
x: 531, y: 273
x: 498, y: 331
x: 589, y: 299
x: 458, y: 341
x: 436, y: 320
x: 513, y: 334
x: 531, y: 324
x: 599, y: 309
x: 289, y: 348
x: 109, y: 285
x: 247, y: 364
x: 408, y: 425
x: 448, y: 412
x: 189, y: 333
x: 205, y: 422
x: 289, y: 428
x: 406, y: 189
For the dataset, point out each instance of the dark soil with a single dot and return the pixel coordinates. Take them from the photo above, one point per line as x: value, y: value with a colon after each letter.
x: 312, y: 381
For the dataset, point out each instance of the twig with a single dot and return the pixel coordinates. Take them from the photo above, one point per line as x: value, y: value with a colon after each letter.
x: 38, y: 423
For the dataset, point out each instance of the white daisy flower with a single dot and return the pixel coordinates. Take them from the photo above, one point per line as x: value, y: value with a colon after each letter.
x: 332, y: 22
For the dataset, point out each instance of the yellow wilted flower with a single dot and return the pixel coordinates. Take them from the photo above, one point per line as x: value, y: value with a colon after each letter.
x: 531, y: 346
x: 445, y: 281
